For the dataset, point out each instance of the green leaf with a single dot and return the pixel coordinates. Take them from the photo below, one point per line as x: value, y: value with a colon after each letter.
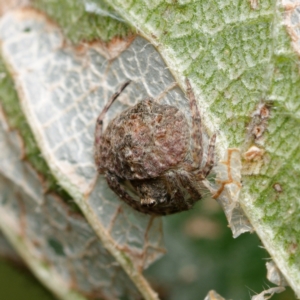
x: 241, y: 58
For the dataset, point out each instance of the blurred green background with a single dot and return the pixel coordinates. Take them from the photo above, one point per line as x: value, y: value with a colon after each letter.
x: 18, y: 283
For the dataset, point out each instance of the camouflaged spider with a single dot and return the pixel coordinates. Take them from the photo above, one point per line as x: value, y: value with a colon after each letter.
x: 148, y: 146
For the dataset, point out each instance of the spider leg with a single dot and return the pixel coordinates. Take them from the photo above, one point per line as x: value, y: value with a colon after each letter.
x: 189, y: 184
x: 99, y: 123
x: 197, y: 151
x: 177, y: 202
x: 115, y: 185
x: 210, y: 158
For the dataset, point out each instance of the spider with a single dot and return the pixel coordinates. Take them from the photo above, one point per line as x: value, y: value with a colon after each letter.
x: 147, y: 147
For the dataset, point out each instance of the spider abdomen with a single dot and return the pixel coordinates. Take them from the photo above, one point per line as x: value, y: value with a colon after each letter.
x: 147, y: 151
x: 144, y: 141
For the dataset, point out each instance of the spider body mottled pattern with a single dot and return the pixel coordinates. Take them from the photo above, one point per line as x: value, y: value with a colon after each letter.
x: 148, y: 146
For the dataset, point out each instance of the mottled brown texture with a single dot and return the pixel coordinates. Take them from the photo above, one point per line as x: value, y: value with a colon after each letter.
x: 148, y: 147
x: 144, y: 141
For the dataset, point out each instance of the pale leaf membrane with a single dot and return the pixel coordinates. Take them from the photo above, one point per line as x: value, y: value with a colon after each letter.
x: 292, y: 21
x: 60, y: 246
x: 267, y: 294
x: 213, y: 295
x: 274, y: 275
x: 228, y: 191
x: 7, y: 251
x: 62, y: 91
